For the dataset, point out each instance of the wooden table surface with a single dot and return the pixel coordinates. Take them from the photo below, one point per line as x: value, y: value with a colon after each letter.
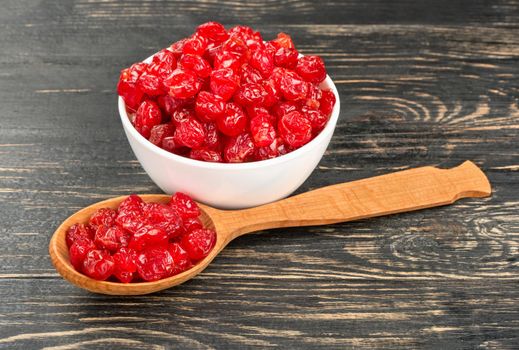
x: 421, y: 83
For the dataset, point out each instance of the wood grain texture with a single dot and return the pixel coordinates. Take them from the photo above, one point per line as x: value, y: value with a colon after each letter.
x: 397, y: 192
x: 420, y: 82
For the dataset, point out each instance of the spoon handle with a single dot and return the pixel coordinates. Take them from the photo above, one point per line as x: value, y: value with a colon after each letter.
x: 397, y: 192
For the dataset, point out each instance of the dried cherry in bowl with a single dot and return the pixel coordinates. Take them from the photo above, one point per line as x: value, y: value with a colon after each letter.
x: 231, y: 185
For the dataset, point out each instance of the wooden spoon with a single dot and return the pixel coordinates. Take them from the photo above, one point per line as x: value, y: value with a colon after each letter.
x: 381, y: 195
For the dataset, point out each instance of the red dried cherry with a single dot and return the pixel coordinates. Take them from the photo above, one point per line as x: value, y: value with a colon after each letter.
x: 198, y: 243
x: 213, y: 31
x: 169, y: 144
x: 169, y: 105
x: 131, y: 94
x: 190, y: 133
x: 165, y: 57
x: 277, y: 74
x: 233, y: 121
x: 250, y: 95
x: 286, y: 58
x: 182, y: 114
x: 148, y: 115
x: 150, y: 84
x: 245, y: 32
x: 227, y: 59
x: 275, y: 149
x: 135, y: 71
x: 132, y: 202
x: 196, y: 64
x: 311, y: 69
x: 211, y: 52
x: 207, y: 155
x: 77, y: 232
x: 316, y: 118
x: 235, y: 44
x: 239, y: 148
x: 212, y: 136
x: 127, y: 85
x: 195, y: 45
x: 159, y: 132
x: 184, y: 205
x: 255, y: 45
x: 182, y: 84
x: 284, y: 40
x: 272, y: 93
x: 103, y: 216
x: 252, y: 39
x: 191, y: 224
x: 263, y: 62
x: 295, y: 129
x: 250, y: 75
x: 98, y: 264
x: 177, y: 47
x: 224, y: 83
x: 148, y: 236
x: 125, y: 267
x: 313, y: 97
x: 208, y: 106
x: 271, y: 47
x: 262, y: 130
x: 161, y: 70
x: 154, y: 263
x: 283, y: 108
x: 254, y: 111
x: 181, y: 260
x: 78, y: 251
x: 129, y: 218
x: 293, y: 86
x: 164, y: 217
x: 111, y: 238
x: 327, y: 102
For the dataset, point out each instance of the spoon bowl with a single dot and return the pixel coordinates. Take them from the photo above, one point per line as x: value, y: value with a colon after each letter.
x: 60, y: 256
x: 398, y: 192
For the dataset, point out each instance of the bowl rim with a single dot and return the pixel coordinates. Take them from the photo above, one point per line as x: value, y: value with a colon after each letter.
x: 329, y: 128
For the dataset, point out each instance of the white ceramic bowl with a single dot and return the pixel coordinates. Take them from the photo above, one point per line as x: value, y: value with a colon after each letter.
x: 226, y: 185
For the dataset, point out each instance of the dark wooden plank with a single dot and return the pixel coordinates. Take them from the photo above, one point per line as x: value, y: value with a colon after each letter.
x: 420, y: 83
x: 263, y: 311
